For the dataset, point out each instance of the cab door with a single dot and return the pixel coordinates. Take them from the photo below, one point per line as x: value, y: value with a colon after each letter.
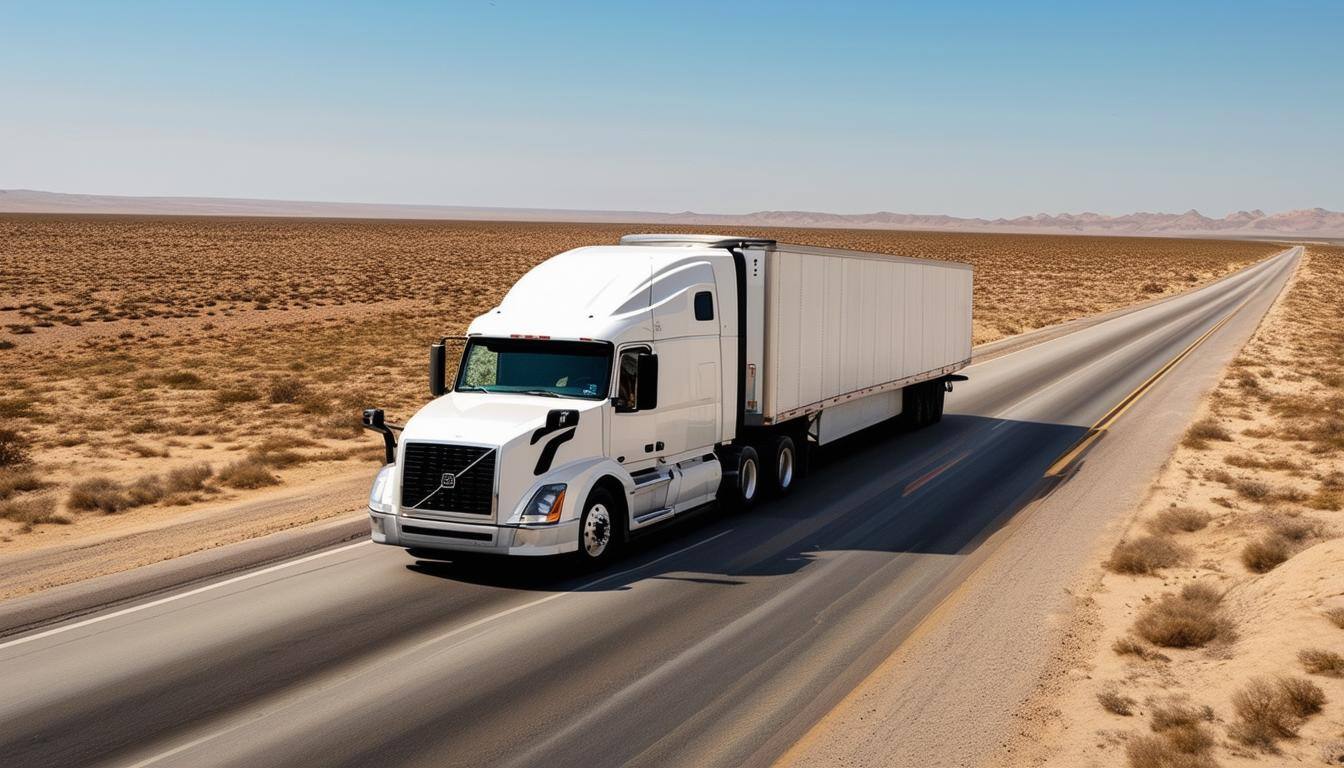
x: 634, y: 429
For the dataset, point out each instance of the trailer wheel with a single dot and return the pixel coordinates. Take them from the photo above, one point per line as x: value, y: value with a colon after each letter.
x: 937, y: 394
x: 784, y: 466
x: 912, y: 406
x: 599, y: 532
x: 741, y: 484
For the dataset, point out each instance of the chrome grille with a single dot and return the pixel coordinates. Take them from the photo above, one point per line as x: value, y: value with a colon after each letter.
x: 423, y: 472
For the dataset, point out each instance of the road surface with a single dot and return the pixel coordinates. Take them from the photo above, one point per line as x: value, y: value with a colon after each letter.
x: 720, y: 642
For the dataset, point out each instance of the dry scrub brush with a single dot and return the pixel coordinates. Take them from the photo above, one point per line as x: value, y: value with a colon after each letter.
x: 1179, y: 520
x: 1181, y: 740
x: 1321, y: 662
x: 1191, y: 619
x: 1146, y: 555
x: 1268, y: 710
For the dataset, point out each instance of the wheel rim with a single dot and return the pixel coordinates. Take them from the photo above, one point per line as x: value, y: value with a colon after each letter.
x: 596, y: 531
x: 748, y: 480
x: 785, y: 467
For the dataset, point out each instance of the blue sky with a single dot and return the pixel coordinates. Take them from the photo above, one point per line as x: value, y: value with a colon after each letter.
x: 963, y: 108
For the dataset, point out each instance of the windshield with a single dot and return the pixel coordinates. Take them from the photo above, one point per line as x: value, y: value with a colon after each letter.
x: 536, y: 367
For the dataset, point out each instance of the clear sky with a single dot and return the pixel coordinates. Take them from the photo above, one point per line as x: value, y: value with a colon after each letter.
x: 963, y: 108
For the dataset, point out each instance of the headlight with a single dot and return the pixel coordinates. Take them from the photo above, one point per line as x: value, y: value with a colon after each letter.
x: 380, y: 496
x: 545, y: 505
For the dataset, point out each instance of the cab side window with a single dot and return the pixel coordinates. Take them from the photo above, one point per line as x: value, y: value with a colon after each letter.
x: 627, y: 379
x: 704, y: 305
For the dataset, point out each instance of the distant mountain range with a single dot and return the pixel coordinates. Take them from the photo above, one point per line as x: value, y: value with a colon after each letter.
x: 1301, y: 223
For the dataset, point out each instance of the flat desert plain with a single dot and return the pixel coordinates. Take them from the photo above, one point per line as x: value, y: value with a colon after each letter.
x: 155, y: 367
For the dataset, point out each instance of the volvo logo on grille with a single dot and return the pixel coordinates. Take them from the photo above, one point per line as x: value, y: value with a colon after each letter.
x: 449, y: 480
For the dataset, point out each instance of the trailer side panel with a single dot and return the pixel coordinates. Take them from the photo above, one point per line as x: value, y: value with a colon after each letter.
x: 843, y: 325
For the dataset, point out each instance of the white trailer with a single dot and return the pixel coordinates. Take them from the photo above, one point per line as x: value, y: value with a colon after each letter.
x: 618, y: 387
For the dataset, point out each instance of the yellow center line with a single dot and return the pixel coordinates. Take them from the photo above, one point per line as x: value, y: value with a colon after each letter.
x: 1102, y: 424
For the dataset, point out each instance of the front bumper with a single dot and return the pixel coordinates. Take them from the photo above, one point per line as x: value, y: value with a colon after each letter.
x: 472, y: 537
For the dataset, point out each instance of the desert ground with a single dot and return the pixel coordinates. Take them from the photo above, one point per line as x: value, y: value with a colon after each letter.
x: 158, y: 367
x: 1215, y: 628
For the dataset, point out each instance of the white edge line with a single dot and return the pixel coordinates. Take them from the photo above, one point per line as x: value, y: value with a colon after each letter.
x: 178, y: 596
x: 179, y: 749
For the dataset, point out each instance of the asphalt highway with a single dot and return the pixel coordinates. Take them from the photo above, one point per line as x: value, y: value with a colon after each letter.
x: 719, y: 642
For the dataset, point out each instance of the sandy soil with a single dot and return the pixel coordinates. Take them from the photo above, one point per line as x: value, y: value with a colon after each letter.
x: 1259, y: 477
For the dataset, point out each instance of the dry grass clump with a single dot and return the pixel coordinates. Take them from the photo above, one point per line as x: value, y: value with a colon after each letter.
x: 1145, y: 555
x: 1201, y: 432
x: 1336, y: 616
x: 18, y: 480
x: 32, y: 512
x: 105, y: 495
x: 1179, y: 520
x: 1191, y: 619
x: 1181, y: 739
x: 288, y: 390
x: 145, y: 490
x: 1178, y: 714
x: 1128, y: 646
x: 1160, y: 752
x: 1327, y: 500
x: 1265, y: 553
x: 1253, y: 490
x: 16, y: 407
x: 1116, y: 703
x: 189, y: 478
x: 99, y: 494
x: 1246, y: 461
x: 233, y: 395
x: 13, y: 449
x: 182, y: 380
x: 1321, y: 662
x: 1269, y: 710
x: 248, y: 473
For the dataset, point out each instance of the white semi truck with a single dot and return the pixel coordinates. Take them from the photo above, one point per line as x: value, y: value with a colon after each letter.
x: 616, y: 388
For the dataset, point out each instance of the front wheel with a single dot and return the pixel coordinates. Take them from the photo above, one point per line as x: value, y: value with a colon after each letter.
x: 599, y: 531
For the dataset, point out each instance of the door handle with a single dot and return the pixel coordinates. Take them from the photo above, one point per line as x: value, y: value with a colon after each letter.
x: 648, y: 447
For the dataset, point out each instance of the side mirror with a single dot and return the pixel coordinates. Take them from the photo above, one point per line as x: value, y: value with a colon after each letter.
x: 438, y: 358
x: 646, y: 394
x: 373, y: 418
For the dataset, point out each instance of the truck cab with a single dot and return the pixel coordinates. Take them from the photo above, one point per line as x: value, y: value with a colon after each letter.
x: 587, y: 406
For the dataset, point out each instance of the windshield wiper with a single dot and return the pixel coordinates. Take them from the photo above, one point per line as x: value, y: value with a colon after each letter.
x: 473, y: 389
x: 540, y: 392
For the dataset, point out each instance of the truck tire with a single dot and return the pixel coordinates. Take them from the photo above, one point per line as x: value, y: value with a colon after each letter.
x: 784, y: 466
x: 913, y: 406
x: 937, y: 394
x: 599, y: 529
x: 741, y: 484
x: 922, y: 404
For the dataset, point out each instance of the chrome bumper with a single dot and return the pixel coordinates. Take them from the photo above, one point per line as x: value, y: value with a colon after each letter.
x: 470, y: 537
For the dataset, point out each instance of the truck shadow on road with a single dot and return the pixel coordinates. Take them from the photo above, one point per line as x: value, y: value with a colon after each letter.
x: 942, y: 490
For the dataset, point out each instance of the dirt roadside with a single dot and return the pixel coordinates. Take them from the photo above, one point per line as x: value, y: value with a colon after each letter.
x: 141, y: 537
x: 1248, y: 508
